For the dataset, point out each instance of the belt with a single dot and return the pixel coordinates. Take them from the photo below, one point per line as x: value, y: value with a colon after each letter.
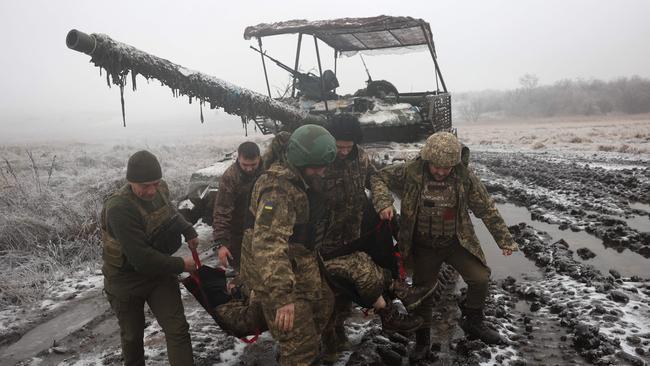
x: 424, y: 239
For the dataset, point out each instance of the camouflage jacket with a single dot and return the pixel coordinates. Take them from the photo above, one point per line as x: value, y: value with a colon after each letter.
x: 274, y: 266
x: 345, y: 184
x: 406, y: 181
x: 231, y: 204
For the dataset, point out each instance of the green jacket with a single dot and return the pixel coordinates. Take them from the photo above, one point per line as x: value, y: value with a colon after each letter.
x: 406, y: 181
x: 129, y: 225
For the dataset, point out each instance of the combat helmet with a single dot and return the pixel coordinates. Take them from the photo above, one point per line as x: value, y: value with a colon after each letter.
x: 442, y: 149
x: 311, y: 145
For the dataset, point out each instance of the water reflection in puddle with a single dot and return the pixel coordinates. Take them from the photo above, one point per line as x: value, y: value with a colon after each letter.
x: 626, y: 262
x: 515, y: 265
x: 640, y: 206
x: 639, y: 223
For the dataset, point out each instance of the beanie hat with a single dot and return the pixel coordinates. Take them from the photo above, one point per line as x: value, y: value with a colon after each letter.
x: 143, y: 167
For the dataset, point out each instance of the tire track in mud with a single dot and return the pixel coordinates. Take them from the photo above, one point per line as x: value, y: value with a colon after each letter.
x: 54, y: 333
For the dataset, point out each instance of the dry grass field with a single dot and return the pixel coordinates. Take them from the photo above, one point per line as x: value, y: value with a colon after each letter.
x: 624, y: 134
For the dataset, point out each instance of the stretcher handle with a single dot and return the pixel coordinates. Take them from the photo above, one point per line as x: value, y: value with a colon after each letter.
x: 197, y: 260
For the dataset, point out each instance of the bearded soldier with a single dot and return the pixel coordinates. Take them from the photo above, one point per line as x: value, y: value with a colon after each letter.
x: 140, y: 231
x: 437, y: 190
x: 345, y: 183
x: 278, y: 258
x: 230, y: 205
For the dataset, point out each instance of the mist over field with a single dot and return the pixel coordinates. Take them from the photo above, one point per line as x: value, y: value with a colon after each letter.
x: 50, y: 91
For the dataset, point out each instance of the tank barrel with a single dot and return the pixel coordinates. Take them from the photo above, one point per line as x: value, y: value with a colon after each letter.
x: 120, y: 59
x: 80, y: 41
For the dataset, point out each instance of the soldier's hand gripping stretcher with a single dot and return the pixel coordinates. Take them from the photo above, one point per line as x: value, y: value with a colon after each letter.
x: 223, y: 255
x: 167, y: 240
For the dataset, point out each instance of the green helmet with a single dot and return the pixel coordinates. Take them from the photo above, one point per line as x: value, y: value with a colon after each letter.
x: 442, y: 149
x: 311, y: 145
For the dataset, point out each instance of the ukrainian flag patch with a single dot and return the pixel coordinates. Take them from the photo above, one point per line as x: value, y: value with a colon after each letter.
x: 266, y: 216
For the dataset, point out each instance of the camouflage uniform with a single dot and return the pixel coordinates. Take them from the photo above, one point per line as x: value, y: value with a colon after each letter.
x: 137, y: 270
x: 453, y: 240
x: 230, y: 207
x: 345, y: 183
x: 279, y: 262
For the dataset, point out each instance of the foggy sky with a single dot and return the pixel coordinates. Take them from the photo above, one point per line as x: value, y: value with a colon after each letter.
x: 51, y: 92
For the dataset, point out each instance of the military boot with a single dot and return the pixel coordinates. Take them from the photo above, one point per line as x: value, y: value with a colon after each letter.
x: 422, y: 345
x: 342, y: 341
x: 474, y: 326
x: 394, y: 321
x: 334, y: 341
x: 329, y: 354
x: 411, y: 296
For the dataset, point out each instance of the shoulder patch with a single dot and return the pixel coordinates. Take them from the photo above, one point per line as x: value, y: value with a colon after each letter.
x: 266, y: 217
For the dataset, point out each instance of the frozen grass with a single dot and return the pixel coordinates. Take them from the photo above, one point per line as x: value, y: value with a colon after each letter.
x: 617, y: 134
x: 51, y: 197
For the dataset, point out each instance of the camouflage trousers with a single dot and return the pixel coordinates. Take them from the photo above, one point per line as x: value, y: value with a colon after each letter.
x: 127, y: 292
x: 333, y: 341
x: 300, y: 345
x: 359, y: 271
x: 427, y: 260
x: 241, y: 317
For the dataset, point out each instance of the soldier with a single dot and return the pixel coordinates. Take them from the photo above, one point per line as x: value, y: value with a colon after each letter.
x: 231, y: 202
x: 345, y: 183
x: 140, y: 231
x: 437, y: 191
x: 278, y: 259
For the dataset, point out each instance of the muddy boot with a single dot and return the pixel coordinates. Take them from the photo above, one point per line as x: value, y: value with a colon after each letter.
x: 474, y: 326
x: 422, y: 345
x: 342, y: 341
x: 394, y: 321
x: 329, y: 354
x: 334, y: 341
x: 411, y: 296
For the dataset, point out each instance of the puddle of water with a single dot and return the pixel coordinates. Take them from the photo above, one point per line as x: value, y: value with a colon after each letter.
x: 516, y: 265
x: 626, y: 262
x: 640, y: 206
x: 639, y: 223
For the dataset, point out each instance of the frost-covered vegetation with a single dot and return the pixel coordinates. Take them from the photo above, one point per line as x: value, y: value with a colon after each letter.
x: 563, y: 98
x: 612, y: 134
x: 51, y: 197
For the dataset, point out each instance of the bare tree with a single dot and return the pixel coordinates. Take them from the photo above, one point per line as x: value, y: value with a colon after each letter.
x: 471, y: 110
x: 528, y: 81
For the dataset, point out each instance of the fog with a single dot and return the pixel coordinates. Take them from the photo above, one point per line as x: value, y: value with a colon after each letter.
x: 52, y: 93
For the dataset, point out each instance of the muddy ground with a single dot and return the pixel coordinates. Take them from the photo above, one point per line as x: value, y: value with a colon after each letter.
x: 576, y: 195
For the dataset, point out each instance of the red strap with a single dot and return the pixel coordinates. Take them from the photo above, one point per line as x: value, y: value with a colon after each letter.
x: 398, y: 255
x: 253, y: 339
x: 197, y: 260
x: 400, y: 261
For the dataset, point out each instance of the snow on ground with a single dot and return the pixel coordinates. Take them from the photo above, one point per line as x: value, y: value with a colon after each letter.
x: 64, y: 289
x: 597, y: 143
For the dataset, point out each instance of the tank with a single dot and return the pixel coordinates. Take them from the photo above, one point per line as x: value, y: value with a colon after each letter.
x: 387, y: 115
